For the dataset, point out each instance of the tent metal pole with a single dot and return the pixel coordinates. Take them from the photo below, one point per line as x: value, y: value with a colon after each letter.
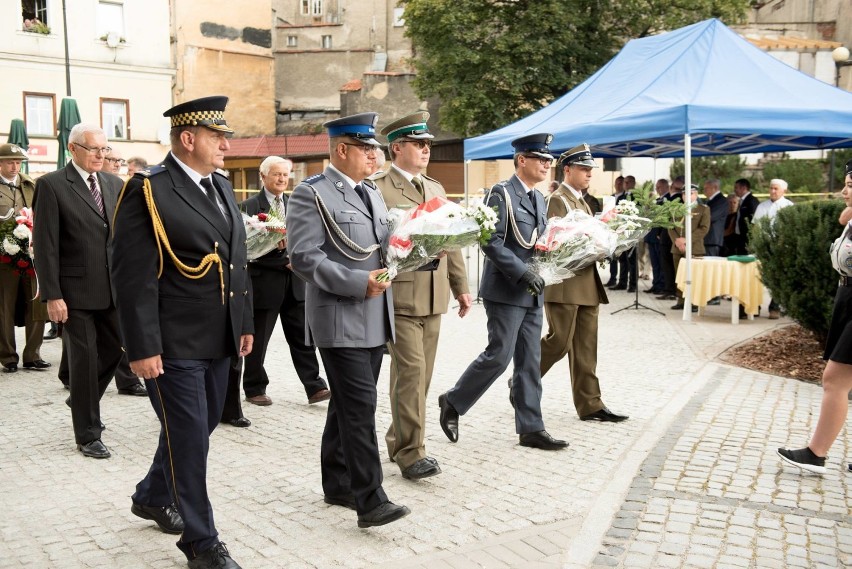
x: 687, y: 193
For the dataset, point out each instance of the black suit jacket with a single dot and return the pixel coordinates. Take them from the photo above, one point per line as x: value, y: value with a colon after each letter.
x: 748, y: 205
x: 173, y: 315
x: 718, y: 205
x: 269, y: 273
x: 70, y: 238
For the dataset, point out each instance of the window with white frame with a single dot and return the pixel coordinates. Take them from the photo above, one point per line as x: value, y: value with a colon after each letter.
x: 33, y: 13
x: 114, y: 118
x: 316, y: 7
x: 40, y: 114
x: 292, y: 41
x: 306, y: 7
x: 110, y: 19
x: 326, y: 42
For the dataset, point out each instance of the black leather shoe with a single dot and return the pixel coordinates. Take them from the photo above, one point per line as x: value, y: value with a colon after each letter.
x: 652, y: 290
x: 382, y: 514
x: 94, y: 449
x: 53, y: 333
x: 666, y: 296
x: 167, y: 517
x: 619, y: 287
x: 217, y: 557
x: 423, y: 468
x: 241, y: 422
x: 610, y: 283
x: 10, y: 368
x: 347, y: 501
x: 631, y: 289
x: 38, y: 365
x: 604, y: 415
x: 542, y: 440
x: 449, y: 419
x: 137, y: 390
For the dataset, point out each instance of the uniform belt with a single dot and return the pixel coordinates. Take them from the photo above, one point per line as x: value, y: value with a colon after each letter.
x: 845, y: 281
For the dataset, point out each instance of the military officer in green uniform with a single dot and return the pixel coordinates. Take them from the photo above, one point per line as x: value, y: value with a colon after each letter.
x: 18, y: 285
x: 420, y: 298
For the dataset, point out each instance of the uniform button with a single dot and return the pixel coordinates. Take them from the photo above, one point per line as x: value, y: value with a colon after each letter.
x: 245, y: 266
x: 245, y: 292
x: 105, y: 225
x: 232, y: 266
x: 232, y: 294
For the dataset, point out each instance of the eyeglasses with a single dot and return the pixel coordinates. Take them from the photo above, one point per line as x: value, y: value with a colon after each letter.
x: 119, y: 161
x: 542, y: 161
x: 365, y: 148
x: 421, y: 144
x: 101, y: 150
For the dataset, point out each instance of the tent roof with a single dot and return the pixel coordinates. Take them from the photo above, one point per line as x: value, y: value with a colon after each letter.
x: 703, y: 80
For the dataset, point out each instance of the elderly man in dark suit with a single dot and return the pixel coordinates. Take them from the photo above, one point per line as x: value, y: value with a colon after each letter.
x: 337, y: 226
x: 182, y: 290
x: 572, y: 306
x: 513, y: 299
x: 72, y: 208
x: 718, y: 205
x: 18, y: 285
x: 745, y: 213
x: 278, y: 294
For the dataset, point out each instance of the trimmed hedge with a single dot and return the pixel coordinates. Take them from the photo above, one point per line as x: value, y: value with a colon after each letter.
x: 794, y: 261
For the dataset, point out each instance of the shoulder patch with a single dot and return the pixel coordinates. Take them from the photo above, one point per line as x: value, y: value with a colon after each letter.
x: 151, y: 171
x: 430, y: 178
x: 378, y: 175
x: 369, y: 183
x: 314, y: 178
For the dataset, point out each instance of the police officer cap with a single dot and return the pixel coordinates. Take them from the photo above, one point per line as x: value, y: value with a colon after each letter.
x: 535, y: 144
x: 12, y: 152
x: 580, y: 155
x: 848, y: 166
x: 206, y: 111
x: 412, y: 127
x: 361, y: 127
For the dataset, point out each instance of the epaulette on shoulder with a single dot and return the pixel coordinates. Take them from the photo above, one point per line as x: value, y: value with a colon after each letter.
x: 369, y: 183
x: 430, y: 178
x: 378, y: 175
x: 151, y: 171
x: 314, y: 178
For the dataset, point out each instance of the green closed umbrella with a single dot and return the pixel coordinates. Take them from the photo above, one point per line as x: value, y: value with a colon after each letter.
x: 18, y: 136
x: 69, y: 116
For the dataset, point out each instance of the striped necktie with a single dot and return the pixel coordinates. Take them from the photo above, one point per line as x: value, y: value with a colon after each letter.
x: 96, y: 193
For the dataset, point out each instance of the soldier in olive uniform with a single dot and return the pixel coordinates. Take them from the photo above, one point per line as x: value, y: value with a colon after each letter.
x: 572, y: 306
x: 420, y: 297
x: 18, y: 285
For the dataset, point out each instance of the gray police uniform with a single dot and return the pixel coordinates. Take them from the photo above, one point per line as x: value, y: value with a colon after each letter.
x: 514, y: 315
x: 325, y: 214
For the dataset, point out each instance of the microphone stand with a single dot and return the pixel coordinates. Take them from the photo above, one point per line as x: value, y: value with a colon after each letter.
x: 636, y: 305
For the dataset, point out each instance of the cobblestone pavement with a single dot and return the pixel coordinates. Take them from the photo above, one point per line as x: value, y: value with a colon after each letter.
x: 691, y: 480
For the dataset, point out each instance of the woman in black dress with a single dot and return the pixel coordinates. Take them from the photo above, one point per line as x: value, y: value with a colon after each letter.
x: 837, y: 376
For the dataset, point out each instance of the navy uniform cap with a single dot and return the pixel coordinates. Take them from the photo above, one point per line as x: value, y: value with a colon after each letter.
x: 849, y: 168
x: 580, y: 155
x: 361, y: 127
x: 412, y: 127
x: 535, y: 144
x: 206, y: 111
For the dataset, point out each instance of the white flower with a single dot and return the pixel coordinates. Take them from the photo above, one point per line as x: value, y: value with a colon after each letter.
x: 11, y: 248
x: 626, y: 207
x: 21, y: 232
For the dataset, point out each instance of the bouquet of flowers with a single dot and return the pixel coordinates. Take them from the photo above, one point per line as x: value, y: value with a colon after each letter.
x: 263, y: 233
x: 629, y: 227
x: 420, y: 234
x: 16, y: 241
x: 571, y: 243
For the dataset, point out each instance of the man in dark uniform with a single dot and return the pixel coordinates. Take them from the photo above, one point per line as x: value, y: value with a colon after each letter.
x: 748, y: 205
x: 278, y: 294
x: 337, y: 226
x: 420, y: 298
x: 669, y: 291
x: 18, y: 285
x: 182, y: 292
x: 572, y: 306
x: 513, y: 299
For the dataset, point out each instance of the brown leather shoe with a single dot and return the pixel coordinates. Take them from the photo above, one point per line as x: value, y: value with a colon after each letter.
x: 321, y: 395
x: 262, y: 400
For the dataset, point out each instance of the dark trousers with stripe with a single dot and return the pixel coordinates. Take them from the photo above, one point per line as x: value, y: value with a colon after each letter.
x: 188, y: 399
x: 350, y: 451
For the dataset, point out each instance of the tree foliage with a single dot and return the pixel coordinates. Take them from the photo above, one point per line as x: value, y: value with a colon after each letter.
x: 491, y: 62
x: 727, y: 169
x: 794, y: 261
x: 801, y: 175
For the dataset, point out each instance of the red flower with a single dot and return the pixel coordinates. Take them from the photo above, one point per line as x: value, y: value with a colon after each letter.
x: 5, y: 259
x: 262, y: 217
x: 30, y: 272
x: 22, y: 263
x: 428, y: 206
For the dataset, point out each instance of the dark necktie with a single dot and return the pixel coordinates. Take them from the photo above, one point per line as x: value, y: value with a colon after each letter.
x: 531, y: 194
x: 418, y: 185
x: 96, y: 193
x: 362, y: 193
x: 211, y: 194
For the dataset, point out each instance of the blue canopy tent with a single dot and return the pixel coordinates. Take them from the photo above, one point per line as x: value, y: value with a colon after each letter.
x: 698, y: 90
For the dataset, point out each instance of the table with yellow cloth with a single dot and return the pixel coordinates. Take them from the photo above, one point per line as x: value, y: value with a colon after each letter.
x: 717, y: 276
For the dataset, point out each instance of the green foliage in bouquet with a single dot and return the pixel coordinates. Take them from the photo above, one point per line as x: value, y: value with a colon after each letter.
x: 667, y: 215
x: 794, y: 261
